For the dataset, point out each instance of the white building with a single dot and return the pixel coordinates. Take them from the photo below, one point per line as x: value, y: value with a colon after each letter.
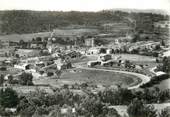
x: 167, y: 53
x: 94, y: 50
x: 24, y: 66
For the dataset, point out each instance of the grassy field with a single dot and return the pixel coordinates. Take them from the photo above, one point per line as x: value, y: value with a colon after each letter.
x: 26, y: 37
x: 136, y: 58
x: 92, y: 77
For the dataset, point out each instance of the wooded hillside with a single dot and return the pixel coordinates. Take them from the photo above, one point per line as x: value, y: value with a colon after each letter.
x: 20, y: 21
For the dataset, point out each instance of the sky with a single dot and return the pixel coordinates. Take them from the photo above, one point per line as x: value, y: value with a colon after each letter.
x: 83, y: 5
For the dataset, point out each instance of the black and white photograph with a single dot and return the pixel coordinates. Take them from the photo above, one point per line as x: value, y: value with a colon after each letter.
x: 84, y: 58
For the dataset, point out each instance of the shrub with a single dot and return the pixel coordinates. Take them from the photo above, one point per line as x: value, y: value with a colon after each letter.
x: 8, y: 98
x: 155, y: 80
x: 165, y: 112
x: 3, y: 68
x: 50, y: 73
x: 25, y: 79
x: 1, y: 79
x: 138, y: 109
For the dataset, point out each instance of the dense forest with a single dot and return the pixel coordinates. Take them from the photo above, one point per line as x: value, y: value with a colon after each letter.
x: 20, y: 21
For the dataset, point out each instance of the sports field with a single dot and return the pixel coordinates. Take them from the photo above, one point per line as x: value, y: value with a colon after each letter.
x: 96, y: 77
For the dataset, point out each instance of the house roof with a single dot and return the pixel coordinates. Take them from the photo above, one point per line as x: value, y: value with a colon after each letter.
x: 167, y: 53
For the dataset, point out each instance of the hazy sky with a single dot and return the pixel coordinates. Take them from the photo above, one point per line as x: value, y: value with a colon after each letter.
x: 83, y: 5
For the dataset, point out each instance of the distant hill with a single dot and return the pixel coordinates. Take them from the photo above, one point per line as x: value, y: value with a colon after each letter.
x: 154, y: 11
x: 23, y: 21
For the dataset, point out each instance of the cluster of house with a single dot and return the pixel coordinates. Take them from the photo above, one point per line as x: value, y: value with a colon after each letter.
x: 47, y: 64
x: 162, y: 24
x: 149, y: 47
x: 39, y: 58
x: 144, y: 45
x: 103, y: 59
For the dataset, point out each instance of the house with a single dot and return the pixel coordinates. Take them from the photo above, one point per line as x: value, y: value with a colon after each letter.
x: 109, y: 51
x: 68, y: 55
x: 90, y: 42
x: 45, y: 58
x: 7, y: 52
x: 9, y: 44
x: 104, y: 57
x: 63, y: 64
x: 93, y: 50
x: 162, y: 24
x: 37, y: 45
x: 27, y: 53
x: 144, y: 45
x: 56, y: 54
x: 166, y: 54
x: 23, y: 66
x: 30, y: 60
x: 53, y: 47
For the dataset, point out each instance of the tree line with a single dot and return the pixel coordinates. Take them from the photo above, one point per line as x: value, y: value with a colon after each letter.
x: 41, y: 103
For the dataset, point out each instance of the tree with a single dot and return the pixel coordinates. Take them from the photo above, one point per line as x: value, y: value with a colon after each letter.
x: 117, y: 97
x: 127, y: 64
x: 166, y: 64
x: 4, y: 113
x: 112, y: 113
x: 92, y: 107
x: 21, y: 42
x: 38, y: 39
x: 25, y: 79
x: 10, y: 79
x: 40, y: 111
x: 28, y: 112
x: 138, y: 109
x: 135, y: 38
x: 165, y: 112
x: 162, y: 43
x: 8, y: 98
x: 1, y: 79
x: 55, y: 112
x: 58, y: 73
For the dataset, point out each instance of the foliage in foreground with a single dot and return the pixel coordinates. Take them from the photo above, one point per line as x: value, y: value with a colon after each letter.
x: 8, y: 98
x: 138, y: 109
x: 165, y: 112
x: 40, y: 103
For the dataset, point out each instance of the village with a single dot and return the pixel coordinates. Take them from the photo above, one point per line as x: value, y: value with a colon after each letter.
x: 109, y: 70
x: 51, y: 65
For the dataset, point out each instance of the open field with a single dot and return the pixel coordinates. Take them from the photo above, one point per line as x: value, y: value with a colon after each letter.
x: 96, y: 77
x: 64, y: 32
x: 136, y: 58
x: 25, y: 37
x: 101, y: 77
